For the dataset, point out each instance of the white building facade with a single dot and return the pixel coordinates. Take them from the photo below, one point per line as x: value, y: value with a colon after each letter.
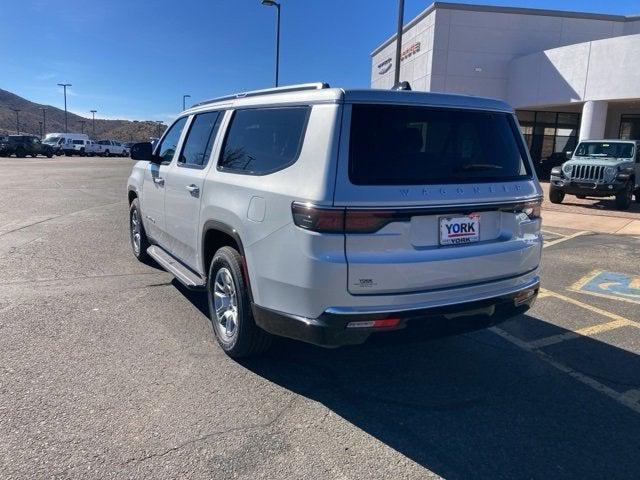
x: 569, y: 75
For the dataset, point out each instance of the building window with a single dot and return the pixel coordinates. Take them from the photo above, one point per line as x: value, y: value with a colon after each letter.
x: 549, y: 134
x: 629, y: 127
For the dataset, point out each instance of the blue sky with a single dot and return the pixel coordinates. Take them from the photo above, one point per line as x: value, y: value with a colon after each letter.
x: 135, y: 58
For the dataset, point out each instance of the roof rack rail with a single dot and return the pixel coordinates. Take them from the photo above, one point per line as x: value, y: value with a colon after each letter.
x: 267, y: 91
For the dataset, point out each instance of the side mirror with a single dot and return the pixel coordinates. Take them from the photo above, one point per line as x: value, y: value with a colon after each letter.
x: 142, y: 151
x: 568, y: 154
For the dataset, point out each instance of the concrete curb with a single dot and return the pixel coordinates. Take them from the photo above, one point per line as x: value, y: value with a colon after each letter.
x: 594, y: 223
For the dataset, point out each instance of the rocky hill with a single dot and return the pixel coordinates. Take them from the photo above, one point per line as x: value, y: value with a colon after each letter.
x: 31, y: 114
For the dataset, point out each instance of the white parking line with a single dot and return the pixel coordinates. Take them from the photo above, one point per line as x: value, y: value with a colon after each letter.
x: 582, y: 332
x: 565, y: 238
x: 543, y: 230
x: 626, y: 399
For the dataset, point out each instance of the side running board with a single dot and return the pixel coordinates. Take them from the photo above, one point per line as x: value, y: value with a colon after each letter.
x: 183, y: 274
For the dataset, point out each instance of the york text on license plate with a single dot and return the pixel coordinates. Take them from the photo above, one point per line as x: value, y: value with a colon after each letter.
x: 460, y: 230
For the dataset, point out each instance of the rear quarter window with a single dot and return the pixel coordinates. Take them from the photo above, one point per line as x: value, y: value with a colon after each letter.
x: 260, y: 141
x: 414, y: 145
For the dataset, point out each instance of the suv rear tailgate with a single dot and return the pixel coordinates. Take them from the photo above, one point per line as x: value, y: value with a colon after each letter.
x: 435, y: 198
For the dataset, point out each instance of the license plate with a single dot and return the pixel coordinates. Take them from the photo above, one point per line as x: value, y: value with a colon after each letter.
x: 460, y: 230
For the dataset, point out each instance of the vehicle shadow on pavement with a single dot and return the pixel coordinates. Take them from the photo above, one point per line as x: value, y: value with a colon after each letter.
x: 473, y: 405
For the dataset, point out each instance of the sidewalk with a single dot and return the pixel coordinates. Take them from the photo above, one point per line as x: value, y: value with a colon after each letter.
x: 593, y: 214
x: 593, y: 223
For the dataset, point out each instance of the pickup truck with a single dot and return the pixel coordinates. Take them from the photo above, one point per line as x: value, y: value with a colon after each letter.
x: 107, y: 148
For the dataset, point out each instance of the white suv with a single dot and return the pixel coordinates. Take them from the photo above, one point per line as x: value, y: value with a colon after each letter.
x: 325, y: 215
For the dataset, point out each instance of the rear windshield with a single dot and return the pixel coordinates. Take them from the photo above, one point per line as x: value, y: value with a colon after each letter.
x: 407, y: 145
x: 605, y: 149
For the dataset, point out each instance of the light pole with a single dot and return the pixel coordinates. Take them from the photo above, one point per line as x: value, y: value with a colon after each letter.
x: 65, y: 85
x: 272, y: 3
x: 159, y: 131
x: 184, y: 97
x: 41, y: 130
x: 396, y: 78
x: 17, y: 110
x: 93, y: 120
x: 82, y: 125
x: 44, y: 120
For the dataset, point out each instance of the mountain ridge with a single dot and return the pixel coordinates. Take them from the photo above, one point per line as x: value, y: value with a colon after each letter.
x: 31, y: 114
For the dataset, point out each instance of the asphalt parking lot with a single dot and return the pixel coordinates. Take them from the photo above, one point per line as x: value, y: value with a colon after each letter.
x: 108, y: 368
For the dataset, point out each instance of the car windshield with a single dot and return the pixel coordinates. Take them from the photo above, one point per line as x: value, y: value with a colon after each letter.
x: 406, y: 145
x: 103, y: 142
x: 52, y: 140
x: 605, y: 149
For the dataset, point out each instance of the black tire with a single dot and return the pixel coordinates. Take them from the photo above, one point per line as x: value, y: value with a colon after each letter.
x: 49, y: 154
x: 83, y: 153
x: 246, y: 338
x: 107, y: 153
x: 20, y: 153
x: 140, y: 249
x: 637, y: 196
x: 624, y: 197
x: 581, y: 197
x: 555, y: 195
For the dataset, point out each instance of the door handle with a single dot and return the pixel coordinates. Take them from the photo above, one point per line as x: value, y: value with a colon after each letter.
x: 158, y: 181
x: 193, y: 190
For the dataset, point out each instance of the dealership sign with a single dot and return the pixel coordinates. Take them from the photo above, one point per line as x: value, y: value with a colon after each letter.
x: 386, y: 65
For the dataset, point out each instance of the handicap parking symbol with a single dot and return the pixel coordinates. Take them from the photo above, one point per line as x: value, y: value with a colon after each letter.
x: 620, y: 286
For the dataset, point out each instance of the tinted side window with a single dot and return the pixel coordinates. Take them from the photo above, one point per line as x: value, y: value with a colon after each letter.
x: 199, y: 142
x: 264, y: 140
x: 169, y: 143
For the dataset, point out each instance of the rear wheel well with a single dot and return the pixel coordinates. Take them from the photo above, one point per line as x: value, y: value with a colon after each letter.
x: 214, y: 240
x: 132, y: 196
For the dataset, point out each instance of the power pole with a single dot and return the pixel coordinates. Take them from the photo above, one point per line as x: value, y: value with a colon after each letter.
x: 65, y: 85
x: 93, y: 112
x: 17, y: 110
x: 44, y: 120
x: 396, y: 78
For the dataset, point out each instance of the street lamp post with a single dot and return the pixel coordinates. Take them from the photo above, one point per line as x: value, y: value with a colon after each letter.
x: 93, y: 121
x: 159, y: 131
x: 17, y: 110
x: 184, y: 97
x: 82, y: 125
x: 44, y: 120
x: 396, y: 78
x: 272, y: 3
x: 41, y: 130
x: 65, y: 85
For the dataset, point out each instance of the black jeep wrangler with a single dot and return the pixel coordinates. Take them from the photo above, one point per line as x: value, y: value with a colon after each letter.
x: 23, y: 145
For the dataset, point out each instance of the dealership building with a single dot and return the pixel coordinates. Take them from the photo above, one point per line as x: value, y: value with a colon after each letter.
x: 569, y: 75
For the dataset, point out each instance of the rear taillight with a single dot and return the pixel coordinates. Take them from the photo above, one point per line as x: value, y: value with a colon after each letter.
x: 367, y: 221
x: 340, y: 220
x: 532, y: 209
x: 318, y: 219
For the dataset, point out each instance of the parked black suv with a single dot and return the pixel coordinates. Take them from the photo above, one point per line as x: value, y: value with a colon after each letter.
x: 23, y: 145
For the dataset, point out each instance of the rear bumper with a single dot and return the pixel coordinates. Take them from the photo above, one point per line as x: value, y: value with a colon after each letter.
x: 586, y: 188
x: 331, y: 329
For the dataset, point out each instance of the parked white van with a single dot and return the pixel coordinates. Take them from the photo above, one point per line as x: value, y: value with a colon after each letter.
x: 64, y: 142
